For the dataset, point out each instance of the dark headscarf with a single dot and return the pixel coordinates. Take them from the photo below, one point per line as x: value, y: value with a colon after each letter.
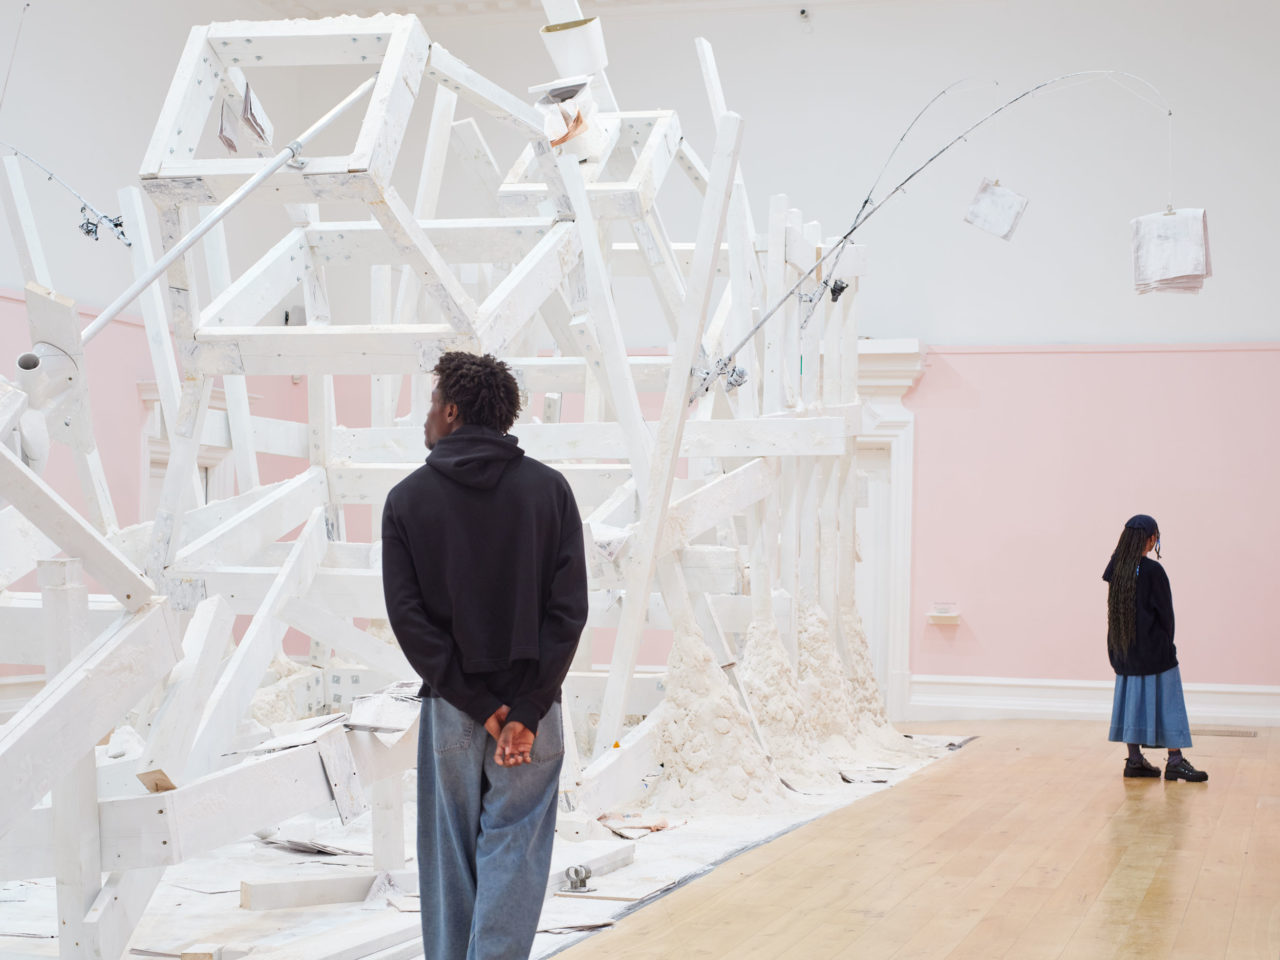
x: 1146, y: 524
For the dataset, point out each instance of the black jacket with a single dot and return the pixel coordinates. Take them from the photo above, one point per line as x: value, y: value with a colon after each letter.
x: 484, y: 575
x: 1153, y: 650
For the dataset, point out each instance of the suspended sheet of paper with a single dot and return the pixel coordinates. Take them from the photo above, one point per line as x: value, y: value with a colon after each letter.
x: 1171, y: 251
x: 229, y: 128
x: 249, y: 115
x: 996, y: 209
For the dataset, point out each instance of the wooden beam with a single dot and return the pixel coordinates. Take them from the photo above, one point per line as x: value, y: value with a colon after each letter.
x: 22, y: 546
x: 80, y: 704
x: 173, y: 725
x: 735, y: 439
x: 435, y: 274
x: 515, y: 301
x: 352, y: 643
x: 727, y: 496
x: 267, y: 519
x: 278, y: 351
x: 63, y: 525
x: 22, y: 225
x: 186, y: 105
x: 342, y: 40
x: 404, y: 55
x: 233, y: 692
x: 246, y: 301
x: 667, y: 443
x: 450, y: 72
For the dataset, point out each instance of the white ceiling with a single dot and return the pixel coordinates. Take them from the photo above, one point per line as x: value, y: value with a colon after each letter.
x: 446, y: 8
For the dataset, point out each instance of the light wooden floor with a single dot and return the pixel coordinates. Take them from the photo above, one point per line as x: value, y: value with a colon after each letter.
x: 1025, y: 844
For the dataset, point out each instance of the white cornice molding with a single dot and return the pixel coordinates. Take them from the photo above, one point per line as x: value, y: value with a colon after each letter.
x: 889, y: 368
x: 529, y: 9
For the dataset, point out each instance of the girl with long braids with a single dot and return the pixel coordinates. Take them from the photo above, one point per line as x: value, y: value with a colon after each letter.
x: 1148, y: 708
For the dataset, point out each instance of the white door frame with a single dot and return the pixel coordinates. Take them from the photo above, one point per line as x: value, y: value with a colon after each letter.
x: 887, y: 370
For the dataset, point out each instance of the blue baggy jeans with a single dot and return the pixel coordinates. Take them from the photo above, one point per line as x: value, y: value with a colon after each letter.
x: 484, y: 836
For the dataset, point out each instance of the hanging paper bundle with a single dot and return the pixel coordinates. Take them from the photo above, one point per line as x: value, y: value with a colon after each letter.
x: 229, y: 128
x: 1171, y: 251
x: 996, y: 209
x: 569, y: 117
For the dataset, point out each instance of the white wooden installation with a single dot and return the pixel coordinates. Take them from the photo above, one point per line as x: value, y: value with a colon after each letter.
x: 735, y: 502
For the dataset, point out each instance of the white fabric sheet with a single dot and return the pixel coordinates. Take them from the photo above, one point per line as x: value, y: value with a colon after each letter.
x: 996, y: 209
x: 1171, y: 251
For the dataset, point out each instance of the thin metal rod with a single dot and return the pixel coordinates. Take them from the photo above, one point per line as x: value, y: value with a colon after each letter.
x: 221, y: 210
x: 725, y: 362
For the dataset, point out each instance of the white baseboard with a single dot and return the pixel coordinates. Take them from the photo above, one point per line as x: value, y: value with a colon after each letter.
x: 934, y: 697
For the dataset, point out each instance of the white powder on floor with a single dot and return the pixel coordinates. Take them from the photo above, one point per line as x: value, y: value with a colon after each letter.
x: 825, y: 689
x: 708, y: 751
x: 819, y: 720
x: 277, y: 701
x: 769, y: 682
x: 868, y: 704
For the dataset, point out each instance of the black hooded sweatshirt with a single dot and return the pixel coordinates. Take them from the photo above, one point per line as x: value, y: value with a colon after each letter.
x: 1153, y: 650
x: 484, y: 574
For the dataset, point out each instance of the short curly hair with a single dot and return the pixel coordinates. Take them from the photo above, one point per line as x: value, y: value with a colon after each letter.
x: 483, y: 387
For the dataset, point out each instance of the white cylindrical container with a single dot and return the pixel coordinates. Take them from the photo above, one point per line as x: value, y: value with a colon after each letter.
x: 44, y: 373
x: 576, y: 46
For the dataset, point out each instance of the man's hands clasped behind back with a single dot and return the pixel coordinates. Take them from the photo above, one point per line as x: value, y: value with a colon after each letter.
x: 514, y: 739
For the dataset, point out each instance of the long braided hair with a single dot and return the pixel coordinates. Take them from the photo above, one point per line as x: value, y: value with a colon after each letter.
x: 1122, y: 619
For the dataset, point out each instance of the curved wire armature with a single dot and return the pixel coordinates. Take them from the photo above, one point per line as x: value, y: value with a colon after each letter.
x: 725, y: 365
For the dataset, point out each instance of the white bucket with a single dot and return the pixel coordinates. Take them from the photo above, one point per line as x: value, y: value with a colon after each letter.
x: 576, y: 46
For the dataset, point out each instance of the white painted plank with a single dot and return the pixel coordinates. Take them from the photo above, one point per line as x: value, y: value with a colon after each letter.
x: 613, y: 372
x: 248, y: 299
x: 267, y: 519
x: 114, y: 915
x: 735, y: 439
x: 351, y: 643
x: 391, y: 101
x: 64, y: 526
x: 515, y: 301
x: 722, y: 498
x: 22, y: 545
x: 186, y: 105
x: 22, y: 225
x: 173, y: 725
x: 667, y: 443
x: 344, y: 779
x: 234, y: 690
x: 80, y: 704
x: 435, y: 274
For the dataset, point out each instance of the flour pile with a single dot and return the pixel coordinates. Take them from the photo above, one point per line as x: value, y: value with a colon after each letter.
x: 868, y: 705
x: 708, y: 751
x: 773, y: 692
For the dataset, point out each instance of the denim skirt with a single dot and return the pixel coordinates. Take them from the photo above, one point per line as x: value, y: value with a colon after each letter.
x: 1150, y: 710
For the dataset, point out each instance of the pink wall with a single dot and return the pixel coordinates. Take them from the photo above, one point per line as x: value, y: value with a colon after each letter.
x: 1027, y: 463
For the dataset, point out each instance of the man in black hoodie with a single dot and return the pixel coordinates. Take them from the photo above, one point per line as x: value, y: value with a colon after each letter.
x: 486, y: 587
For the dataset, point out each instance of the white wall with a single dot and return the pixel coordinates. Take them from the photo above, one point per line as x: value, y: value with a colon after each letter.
x: 823, y: 102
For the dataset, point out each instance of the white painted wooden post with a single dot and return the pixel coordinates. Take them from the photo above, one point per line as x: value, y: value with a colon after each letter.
x: 173, y: 726
x: 693, y: 319
x: 387, y: 800
x: 75, y: 794
x: 613, y: 370
x: 239, y: 416
x: 234, y: 690
x: 22, y: 225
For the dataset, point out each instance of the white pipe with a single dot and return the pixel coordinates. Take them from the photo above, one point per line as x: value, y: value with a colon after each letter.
x: 218, y: 212
x: 44, y: 373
